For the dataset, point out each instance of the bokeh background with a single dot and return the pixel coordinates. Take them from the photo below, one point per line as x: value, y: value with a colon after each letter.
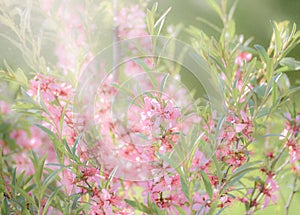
x: 253, y: 19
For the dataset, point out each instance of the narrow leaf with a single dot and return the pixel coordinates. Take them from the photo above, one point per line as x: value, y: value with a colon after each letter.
x: 262, y: 53
x: 207, y: 184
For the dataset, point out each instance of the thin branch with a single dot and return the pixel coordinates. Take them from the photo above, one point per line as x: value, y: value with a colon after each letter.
x: 277, y: 158
x: 288, y: 204
x: 282, y: 166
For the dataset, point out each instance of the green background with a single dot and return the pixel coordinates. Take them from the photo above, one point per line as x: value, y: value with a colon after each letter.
x: 253, y: 19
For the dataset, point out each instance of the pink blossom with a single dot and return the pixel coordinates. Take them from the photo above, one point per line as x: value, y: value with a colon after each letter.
x: 4, y: 107
x: 200, y: 162
x: 23, y: 163
x: 291, y: 134
x: 201, y: 203
x: 294, y: 151
x: 230, y: 150
x: 107, y: 202
x: 131, y: 22
x: 242, y: 57
x: 72, y: 50
x: 68, y: 180
x: 270, y: 190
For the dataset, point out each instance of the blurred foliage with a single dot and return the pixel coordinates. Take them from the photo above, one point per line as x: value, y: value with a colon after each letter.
x: 253, y: 19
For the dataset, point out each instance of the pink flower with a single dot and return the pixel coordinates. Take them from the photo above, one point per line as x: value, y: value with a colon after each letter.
x: 200, y: 162
x: 49, y: 88
x: 72, y: 50
x: 106, y: 202
x: 294, y: 151
x: 23, y: 163
x: 230, y: 150
x: 201, y: 203
x: 131, y: 22
x: 4, y: 107
x: 242, y: 57
x: 270, y: 190
x: 291, y: 133
x: 240, y: 127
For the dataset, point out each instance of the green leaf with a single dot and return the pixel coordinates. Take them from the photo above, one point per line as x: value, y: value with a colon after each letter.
x: 59, y: 147
x: 278, y: 41
x: 21, y: 77
x: 29, y: 188
x: 75, y: 201
x: 213, y: 208
x: 217, y: 165
x: 46, y: 130
x: 237, y: 176
x: 5, y: 210
x: 163, y: 83
x: 2, y: 184
x: 246, y: 165
x: 185, y: 187
x: 263, y: 112
x: 291, y: 63
x: 67, y: 147
x: 14, y: 181
x: 150, y: 21
x: 146, y: 68
x: 274, y: 93
x: 160, y: 22
x: 231, y: 28
x: 221, y: 210
x: 194, y: 149
x: 111, y: 176
x: 207, y: 184
x: 5, y: 127
x: 260, y: 90
x: 262, y: 53
x: 156, y: 209
x: 25, y: 195
x: 154, y: 7
x: 51, y: 177
x: 50, y: 199
x: 215, y: 7
x: 38, y: 167
x: 138, y: 206
x: 218, y: 62
x: 76, y: 144
x: 180, y: 210
x: 269, y: 69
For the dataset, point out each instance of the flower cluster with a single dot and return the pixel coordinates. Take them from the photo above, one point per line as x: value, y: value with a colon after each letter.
x: 131, y: 22
x: 234, y: 138
x: 291, y: 136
